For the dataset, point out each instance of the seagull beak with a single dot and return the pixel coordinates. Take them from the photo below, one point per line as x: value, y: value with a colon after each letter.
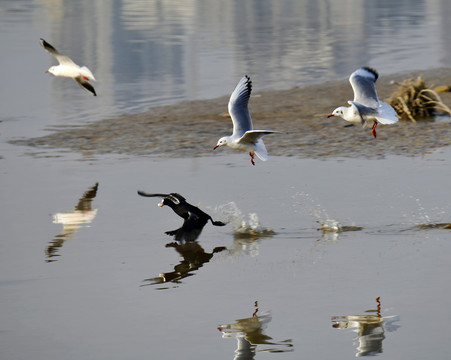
x: 330, y: 115
x: 46, y: 71
x: 160, y: 204
x: 216, y: 146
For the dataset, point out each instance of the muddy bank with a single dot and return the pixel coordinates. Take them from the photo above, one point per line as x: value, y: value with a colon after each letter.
x: 192, y: 128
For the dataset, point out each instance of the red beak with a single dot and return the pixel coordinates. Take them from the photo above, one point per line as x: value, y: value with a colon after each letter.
x: 216, y: 146
x: 330, y: 115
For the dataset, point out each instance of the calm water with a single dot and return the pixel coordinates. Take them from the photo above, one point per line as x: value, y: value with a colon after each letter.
x: 83, y: 258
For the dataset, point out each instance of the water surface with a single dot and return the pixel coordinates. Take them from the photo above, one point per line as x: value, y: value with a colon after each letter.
x: 82, y: 255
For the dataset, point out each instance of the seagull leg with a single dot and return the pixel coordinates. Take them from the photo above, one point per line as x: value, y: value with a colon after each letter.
x: 252, y: 158
x: 373, y: 129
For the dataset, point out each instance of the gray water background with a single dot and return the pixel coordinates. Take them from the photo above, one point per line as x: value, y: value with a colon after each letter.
x: 92, y: 298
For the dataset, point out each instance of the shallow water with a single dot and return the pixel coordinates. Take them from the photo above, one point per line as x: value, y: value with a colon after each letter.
x: 102, y: 294
x: 87, y: 271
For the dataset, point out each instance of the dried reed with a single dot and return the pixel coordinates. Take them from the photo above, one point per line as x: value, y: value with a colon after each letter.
x: 414, y: 100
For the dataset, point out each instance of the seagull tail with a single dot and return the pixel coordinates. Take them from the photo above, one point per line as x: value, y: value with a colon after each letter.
x: 386, y: 114
x: 87, y: 73
x: 260, y: 150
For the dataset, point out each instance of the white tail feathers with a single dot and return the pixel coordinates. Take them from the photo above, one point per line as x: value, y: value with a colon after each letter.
x: 386, y: 114
x: 87, y: 73
x: 260, y: 150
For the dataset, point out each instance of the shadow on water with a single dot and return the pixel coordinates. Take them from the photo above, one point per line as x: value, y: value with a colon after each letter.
x: 249, y: 333
x: 370, y: 329
x: 82, y: 215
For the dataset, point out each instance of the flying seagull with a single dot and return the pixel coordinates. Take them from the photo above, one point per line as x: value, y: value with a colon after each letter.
x: 366, y: 106
x: 243, y: 136
x: 195, y: 218
x: 67, y: 68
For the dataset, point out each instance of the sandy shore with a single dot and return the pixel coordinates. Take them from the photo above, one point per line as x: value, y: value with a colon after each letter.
x: 192, y: 128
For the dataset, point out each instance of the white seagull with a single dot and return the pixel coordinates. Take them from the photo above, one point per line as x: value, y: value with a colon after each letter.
x: 366, y: 106
x: 243, y: 136
x: 68, y: 68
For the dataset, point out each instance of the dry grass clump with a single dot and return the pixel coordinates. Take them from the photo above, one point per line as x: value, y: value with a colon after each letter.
x: 413, y: 100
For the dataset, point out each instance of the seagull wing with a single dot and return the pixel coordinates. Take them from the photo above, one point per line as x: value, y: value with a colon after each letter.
x: 363, y: 83
x: 238, y: 107
x: 252, y: 136
x: 85, y: 84
x: 62, y: 59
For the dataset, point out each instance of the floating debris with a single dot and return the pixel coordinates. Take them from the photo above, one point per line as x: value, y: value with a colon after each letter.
x: 434, y: 226
x: 331, y: 225
x: 414, y: 100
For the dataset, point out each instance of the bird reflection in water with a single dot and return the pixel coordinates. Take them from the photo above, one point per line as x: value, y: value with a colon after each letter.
x: 370, y: 329
x: 81, y: 216
x: 249, y: 333
x: 193, y: 255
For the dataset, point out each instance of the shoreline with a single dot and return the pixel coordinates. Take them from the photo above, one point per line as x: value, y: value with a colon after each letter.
x: 192, y: 128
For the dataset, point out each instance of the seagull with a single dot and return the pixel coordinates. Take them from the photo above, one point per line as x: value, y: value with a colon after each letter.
x: 195, y: 218
x: 68, y: 68
x: 366, y: 106
x: 243, y: 136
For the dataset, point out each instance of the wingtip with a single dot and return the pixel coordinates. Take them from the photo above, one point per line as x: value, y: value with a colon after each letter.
x: 372, y: 71
x: 249, y: 82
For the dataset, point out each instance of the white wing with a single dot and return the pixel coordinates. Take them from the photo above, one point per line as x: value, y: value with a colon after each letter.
x: 238, y: 107
x: 62, y: 59
x: 253, y: 136
x: 363, y: 83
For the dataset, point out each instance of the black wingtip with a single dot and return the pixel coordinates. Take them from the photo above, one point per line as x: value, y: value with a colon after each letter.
x: 372, y: 71
x: 249, y: 82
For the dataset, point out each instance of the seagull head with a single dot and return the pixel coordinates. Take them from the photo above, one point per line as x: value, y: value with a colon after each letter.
x: 51, y: 70
x: 340, y: 111
x: 221, y: 142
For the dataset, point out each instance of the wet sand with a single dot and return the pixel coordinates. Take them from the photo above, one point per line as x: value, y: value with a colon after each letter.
x: 192, y: 128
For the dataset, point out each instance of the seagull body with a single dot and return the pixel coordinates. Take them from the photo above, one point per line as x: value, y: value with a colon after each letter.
x: 67, y: 68
x: 366, y: 106
x: 243, y: 136
x: 195, y: 218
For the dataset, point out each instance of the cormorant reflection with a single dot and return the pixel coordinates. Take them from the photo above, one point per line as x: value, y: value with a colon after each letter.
x: 194, y: 257
x: 370, y: 329
x: 195, y: 218
x: 81, y: 216
x: 249, y: 334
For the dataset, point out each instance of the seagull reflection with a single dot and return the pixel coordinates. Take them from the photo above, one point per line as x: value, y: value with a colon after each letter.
x: 249, y: 334
x: 370, y: 329
x: 81, y: 216
x: 194, y: 257
x: 195, y: 218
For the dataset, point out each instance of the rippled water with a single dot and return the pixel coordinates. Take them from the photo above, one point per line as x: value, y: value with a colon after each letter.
x: 86, y: 269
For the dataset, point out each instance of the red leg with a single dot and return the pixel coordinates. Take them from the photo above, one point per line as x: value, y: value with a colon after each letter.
x: 373, y: 130
x: 252, y: 158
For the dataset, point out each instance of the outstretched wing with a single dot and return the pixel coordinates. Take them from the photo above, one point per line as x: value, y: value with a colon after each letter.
x: 176, y: 198
x: 238, y: 107
x: 363, y: 83
x: 85, y: 84
x: 251, y: 137
x: 62, y: 59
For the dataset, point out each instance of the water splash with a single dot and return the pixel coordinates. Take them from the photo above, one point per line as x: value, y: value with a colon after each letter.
x: 245, y: 226
x: 326, y: 223
x: 425, y: 220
